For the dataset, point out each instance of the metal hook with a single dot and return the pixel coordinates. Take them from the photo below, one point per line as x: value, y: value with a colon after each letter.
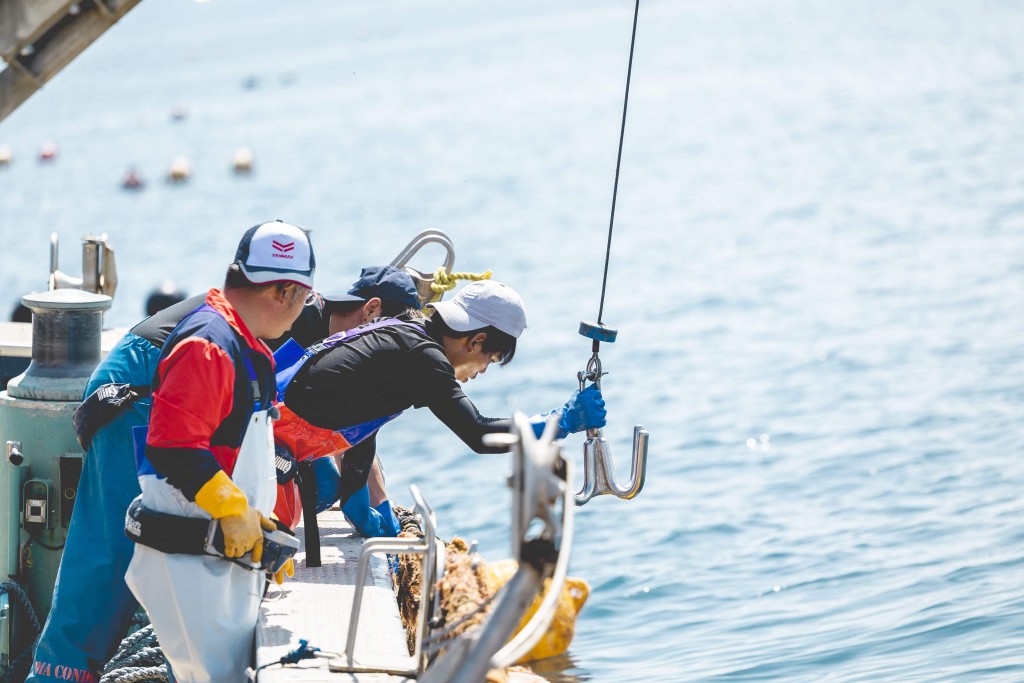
x: 424, y: 280
x: 599, y: 471
x: 598, y: 468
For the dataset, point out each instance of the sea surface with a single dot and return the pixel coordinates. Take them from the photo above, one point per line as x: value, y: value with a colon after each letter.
x: 817, y: 274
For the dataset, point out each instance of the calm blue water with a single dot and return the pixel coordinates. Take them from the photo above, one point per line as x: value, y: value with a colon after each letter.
x: 817, y: 273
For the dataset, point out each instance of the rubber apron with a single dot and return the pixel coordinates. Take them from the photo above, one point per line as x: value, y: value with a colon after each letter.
x: 205, y: 609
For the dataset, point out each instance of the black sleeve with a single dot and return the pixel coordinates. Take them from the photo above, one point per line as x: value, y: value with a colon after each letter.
x: 358, y: 461
x: 462, y: 417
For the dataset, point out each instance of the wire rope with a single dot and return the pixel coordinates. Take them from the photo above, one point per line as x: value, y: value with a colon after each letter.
x: 618, y: 164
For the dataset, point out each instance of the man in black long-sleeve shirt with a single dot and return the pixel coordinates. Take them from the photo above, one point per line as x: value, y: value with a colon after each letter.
x: 353, y: 387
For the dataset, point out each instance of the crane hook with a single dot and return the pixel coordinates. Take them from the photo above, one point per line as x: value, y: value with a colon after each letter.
x: 598, y: 468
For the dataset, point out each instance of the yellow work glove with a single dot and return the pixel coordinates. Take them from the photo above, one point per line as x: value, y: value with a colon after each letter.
x: 287, y: 570
x: 244, y: 532
x: 240, y: 523
x: 221, y: 497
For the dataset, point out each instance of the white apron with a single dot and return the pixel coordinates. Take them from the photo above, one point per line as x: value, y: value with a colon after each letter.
x: 204, y: 609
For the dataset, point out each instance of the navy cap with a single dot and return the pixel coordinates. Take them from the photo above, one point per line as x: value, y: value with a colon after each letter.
x: 384, y: 282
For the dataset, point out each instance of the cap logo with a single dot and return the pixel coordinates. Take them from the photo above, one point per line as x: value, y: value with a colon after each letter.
x: 276, y: 252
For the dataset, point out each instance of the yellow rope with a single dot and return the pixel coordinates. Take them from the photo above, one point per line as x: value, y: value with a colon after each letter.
x: 445, y: 281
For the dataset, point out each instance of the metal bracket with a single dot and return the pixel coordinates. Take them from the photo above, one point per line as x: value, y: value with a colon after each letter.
x: 14, y: 454
x: 99, y: 269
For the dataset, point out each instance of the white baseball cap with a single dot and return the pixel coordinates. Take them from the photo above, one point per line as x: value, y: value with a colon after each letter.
x: 276, y: 252
x: 484, y: 303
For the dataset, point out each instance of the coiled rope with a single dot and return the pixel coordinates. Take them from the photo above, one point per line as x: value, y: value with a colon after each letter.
x: 19, y: 666
x: 138, y: 659
x: 445, y: 281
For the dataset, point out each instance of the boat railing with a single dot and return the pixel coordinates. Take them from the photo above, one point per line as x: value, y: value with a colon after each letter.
x: 432, y: 552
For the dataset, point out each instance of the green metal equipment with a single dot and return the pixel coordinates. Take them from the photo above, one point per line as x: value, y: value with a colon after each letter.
x: 42, y: 458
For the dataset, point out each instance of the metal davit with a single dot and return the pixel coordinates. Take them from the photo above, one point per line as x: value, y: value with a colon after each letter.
x: 542, y: 533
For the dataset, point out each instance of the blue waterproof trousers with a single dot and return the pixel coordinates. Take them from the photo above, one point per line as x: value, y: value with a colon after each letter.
x: 92, y: 606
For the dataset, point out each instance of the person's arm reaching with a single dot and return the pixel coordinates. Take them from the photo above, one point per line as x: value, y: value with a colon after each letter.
x: 584, y: 410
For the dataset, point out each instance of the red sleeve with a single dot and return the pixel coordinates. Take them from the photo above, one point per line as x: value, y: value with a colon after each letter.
x: 194, y: 397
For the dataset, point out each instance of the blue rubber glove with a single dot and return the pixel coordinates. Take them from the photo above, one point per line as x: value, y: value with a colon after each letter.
x: 391, y: 525
x: 328, y: 483
x: 584, y: 410
x: 368, y: 521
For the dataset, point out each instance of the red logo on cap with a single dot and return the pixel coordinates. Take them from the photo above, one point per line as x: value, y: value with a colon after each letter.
x: 284, y: 246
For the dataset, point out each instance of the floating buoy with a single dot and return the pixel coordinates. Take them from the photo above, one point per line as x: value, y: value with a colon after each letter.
x: 180, y: 170
x: 179, y: 112
x: 132, y: 180
x: 48, y: 152
x: 242, y: 161
x: 6, y: 155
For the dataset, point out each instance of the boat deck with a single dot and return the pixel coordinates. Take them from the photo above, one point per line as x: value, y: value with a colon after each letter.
x: 315, y: 605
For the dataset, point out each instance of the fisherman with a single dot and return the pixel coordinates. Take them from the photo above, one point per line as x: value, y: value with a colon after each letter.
x: 209, y: 455
x: 92, y: 606
x: 380, y: 291
x: 353, y: 383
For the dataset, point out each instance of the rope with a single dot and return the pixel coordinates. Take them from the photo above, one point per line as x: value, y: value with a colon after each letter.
x: 445, y: 281
x: 138, y: 660
x: 618, y: 164
x: 19, y: 666
x: 437, y: 641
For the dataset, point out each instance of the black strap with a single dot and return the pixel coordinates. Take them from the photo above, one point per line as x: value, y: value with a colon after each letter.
x: 102, y: 406
x: 170, y: 533
x: 308, y: 494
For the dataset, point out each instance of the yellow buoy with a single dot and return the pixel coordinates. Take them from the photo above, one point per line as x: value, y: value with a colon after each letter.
x: 180, y: 170
x: 242, y: 161
x: 563, y: 626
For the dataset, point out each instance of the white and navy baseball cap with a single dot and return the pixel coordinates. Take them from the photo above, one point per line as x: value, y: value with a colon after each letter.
x: 276, y: 252
x: 484, y: 303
